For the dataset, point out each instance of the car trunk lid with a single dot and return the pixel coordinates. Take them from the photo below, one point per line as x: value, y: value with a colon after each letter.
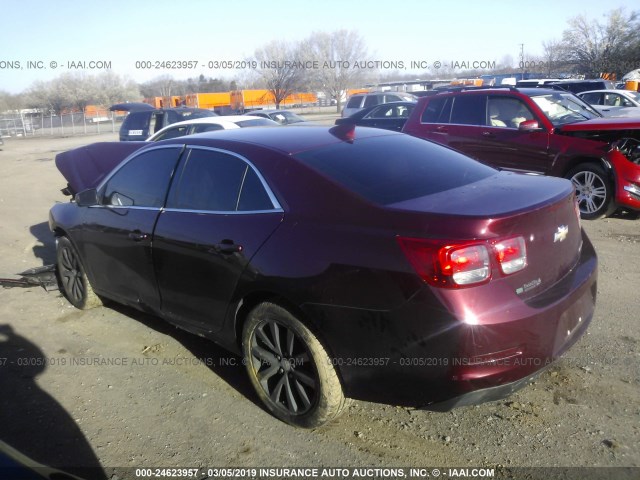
x: 541, y: 210
x: 85, y: 167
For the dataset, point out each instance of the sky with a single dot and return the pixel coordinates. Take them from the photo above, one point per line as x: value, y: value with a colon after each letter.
x: 41, y: 39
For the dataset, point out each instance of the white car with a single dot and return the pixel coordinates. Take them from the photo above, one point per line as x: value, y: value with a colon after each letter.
x: 612, y: 98
x: 209, y: 124
x: 613, y: 103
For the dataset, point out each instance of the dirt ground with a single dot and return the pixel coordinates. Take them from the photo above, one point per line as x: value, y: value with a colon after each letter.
x: 112, y: 387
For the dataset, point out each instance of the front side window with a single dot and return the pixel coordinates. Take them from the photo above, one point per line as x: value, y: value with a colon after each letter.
x: 219, y: 182
x: 384, y: 111
x: 390, y: 111
x: 507, y: 112
x: 143, y: 181
x: 616, y: 100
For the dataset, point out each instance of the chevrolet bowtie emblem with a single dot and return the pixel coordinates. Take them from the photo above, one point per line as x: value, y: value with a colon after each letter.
x: 561, y: 234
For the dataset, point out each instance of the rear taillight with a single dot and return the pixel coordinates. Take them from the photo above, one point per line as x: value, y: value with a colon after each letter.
x: 461, y: 264
x: 576, y: 206
x: 511, y: 255
x: 465, y: 265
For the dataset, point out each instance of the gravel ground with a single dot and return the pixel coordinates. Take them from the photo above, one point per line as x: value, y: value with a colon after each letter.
x: 170, y: 399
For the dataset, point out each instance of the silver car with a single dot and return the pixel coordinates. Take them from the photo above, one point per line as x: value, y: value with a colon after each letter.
x: 363, y: 100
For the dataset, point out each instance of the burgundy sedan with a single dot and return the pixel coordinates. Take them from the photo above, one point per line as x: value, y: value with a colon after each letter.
x: 341, y: 263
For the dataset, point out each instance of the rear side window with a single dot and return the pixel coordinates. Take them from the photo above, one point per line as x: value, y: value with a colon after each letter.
x: 469, y: 110
x: 253, y: 195
x: 395, y: 168
x: 354, y: 102
x: 438, y: 110
x: 256, y: 122
x: 219, y: 182
x: 143, y: 181
x: 189, y: 115
x: 593, y: 98
x: 206, y: 127
x: 371, y: 100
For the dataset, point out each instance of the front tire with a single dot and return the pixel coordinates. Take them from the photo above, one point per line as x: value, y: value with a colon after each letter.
x: 593, y: 191
x: 73, y: 279
x: 290, y: 369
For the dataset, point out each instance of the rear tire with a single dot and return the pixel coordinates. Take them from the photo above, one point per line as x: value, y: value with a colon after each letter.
x: 73, y: 279
x: 593, y: 191
x: 290, y: 369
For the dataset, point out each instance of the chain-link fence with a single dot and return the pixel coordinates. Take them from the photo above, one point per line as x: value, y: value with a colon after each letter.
x: 41, y: 124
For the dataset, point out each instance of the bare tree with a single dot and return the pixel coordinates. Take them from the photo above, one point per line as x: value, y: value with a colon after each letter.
x: 9, y: 101
x: 339, y: 55
x: 77, y: 89
x: 52, y: 96
x: 593, y: 48
x: 552, y: 55
x: 282, y: 68
x: 114, y: 89
x: 74, y: 91
x: 162, y: 86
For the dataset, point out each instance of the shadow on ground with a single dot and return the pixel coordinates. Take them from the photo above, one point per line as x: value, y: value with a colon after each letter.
x: 45, y: 249
x: 31, y: 420
x: 226, y: 365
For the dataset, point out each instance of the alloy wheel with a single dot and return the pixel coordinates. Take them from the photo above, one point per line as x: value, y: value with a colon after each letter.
x: 591, y: 191
x: 71, y: 274
x: 284, y: 368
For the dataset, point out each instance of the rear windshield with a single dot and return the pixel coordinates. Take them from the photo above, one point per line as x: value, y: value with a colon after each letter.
x: 137, y: 121
x: 395, y: 168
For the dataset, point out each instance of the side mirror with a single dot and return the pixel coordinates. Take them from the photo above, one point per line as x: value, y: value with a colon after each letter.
x: 87, y: 198
x: 529, y: 126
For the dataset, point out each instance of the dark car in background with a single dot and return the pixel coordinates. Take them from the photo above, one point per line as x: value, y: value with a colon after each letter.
x: 341, y: 263
x: 144, y: 120
x: 540, y: 131
x: 390, y: 116
x: 577, y: 86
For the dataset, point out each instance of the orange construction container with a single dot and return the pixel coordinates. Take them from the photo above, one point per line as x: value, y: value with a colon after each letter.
x: 252, y: 99
x: 208, y: 100
x: 632, y: 85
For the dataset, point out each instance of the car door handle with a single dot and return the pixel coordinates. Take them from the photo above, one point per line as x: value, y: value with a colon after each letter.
x: 441, y: 129
x: 227, y: 247
x: 138, y: 236
x: 488, y: 134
